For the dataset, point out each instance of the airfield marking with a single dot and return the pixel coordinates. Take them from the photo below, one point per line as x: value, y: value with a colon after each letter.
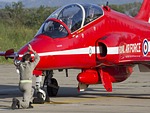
x: 77, y: 100
x: 86, y: 99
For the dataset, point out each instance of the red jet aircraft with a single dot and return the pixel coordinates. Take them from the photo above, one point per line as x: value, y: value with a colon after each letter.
x: 103, y: 43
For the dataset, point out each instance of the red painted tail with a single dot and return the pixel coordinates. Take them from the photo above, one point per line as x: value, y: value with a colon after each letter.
x: 144, y: 13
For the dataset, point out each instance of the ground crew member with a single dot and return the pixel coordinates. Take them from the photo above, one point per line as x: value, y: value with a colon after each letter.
x: 26, y: 67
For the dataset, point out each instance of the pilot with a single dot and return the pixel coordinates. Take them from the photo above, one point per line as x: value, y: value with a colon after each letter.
x: 76, y: 21
x: 90, y: 15
x: 58, y: 31
x: 26, y: 67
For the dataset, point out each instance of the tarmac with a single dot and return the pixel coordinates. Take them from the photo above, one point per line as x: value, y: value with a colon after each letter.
x: 130, y: 96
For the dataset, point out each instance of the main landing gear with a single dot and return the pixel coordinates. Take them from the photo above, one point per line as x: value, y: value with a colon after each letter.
x: 51, y: 83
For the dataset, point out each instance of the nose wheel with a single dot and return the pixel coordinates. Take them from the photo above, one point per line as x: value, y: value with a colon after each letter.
x: 51, y: 86
x: 41, y: 97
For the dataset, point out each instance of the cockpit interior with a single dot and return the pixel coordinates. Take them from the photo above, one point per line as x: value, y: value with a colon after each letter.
x: 75, y: 16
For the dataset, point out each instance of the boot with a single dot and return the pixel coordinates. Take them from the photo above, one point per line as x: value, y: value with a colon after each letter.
x: 15, y: 104
x: 30, y: 106
x: 47, y: 99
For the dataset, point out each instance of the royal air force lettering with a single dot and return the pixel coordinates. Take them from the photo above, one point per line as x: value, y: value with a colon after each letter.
x: 130, y: 48
x: 135, y: 48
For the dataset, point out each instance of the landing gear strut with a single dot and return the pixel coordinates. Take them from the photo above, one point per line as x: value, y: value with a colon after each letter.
x: 41, y: 95
x: 51, y: 83
x: 52, y: 88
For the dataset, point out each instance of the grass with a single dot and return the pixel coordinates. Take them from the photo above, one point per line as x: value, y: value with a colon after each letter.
x: 14, y: 36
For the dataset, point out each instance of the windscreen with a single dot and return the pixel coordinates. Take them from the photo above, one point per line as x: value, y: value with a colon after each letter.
x: 54, y: 29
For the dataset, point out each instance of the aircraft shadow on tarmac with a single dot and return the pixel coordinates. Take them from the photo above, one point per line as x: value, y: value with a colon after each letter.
x: 9, y: 91
x: 100, y: 92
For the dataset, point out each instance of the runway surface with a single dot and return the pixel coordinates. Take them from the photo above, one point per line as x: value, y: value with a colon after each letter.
x: 130, y: 96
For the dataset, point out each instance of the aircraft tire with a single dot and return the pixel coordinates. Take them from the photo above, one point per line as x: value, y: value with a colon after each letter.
x: 39, y: 99
x: 52, y: 89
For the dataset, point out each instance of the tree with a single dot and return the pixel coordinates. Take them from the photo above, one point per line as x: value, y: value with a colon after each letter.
x: 15, y: 11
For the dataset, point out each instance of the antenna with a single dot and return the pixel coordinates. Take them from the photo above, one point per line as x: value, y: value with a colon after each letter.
x: 107, y: 3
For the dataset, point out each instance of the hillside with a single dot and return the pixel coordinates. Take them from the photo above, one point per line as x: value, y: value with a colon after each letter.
x: 53, y: 3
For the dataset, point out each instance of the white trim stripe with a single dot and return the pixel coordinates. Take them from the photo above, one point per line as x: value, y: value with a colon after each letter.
x: 88, y: 50
x: 148, y: 46
x: 149, y: 20
x: 70, y: 52
x: 112, y: 50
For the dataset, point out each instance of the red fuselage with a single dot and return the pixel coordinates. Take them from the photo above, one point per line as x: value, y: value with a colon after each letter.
x: 105, y: 47
x: 122, y: 35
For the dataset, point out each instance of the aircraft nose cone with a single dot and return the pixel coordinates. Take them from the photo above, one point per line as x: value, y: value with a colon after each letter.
x: 39, y: 44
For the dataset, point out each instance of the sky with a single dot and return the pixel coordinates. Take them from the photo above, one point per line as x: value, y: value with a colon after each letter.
x: 21, y: 0
x: 62, y: 2
x: 9, y: 0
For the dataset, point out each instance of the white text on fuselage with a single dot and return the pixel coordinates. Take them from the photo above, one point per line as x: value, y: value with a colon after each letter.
x: 130, y: 48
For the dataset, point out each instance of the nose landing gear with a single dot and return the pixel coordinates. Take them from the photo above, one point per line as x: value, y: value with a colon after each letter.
x: 41, y: 95
x: 52, y: 88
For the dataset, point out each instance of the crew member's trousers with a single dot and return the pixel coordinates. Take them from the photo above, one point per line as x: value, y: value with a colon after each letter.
x: 28, y: 91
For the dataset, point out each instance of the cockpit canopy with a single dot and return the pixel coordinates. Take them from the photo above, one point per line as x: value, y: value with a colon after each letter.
x: 54, y: 29
x: 75, y: 16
